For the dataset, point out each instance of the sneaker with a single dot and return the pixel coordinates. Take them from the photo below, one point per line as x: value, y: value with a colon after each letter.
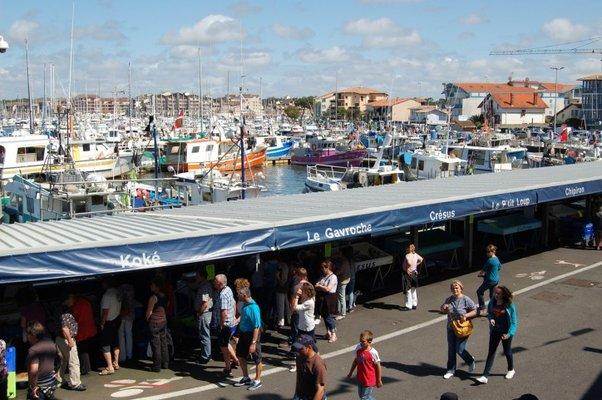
x: 472, y: 366
x: 254, y: 385
x: 244, y: 381
x: 448, y: 374
x: 510, y: 374
x: 339, y: 317
x: 482, y: 379
x: 292, y: 368
x: 227, y: 373
x: 78, y: 388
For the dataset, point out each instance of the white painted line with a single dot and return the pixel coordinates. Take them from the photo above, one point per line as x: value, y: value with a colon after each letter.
x: 388, y: 336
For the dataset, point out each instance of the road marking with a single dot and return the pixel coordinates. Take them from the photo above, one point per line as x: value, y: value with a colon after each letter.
x: 388, y: 336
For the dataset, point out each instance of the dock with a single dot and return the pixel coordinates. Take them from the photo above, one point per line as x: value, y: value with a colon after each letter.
x: 278, y: 161
x: 77, y: 248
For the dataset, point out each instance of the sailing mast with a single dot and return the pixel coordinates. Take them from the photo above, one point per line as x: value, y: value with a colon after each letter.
x: 200, y: 94
x: 242, y: 124
x: 31, y: 130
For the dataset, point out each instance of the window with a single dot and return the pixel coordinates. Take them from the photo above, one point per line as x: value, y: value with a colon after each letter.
x: 174, y: 149
x: 195, y: 149
x: 30, y: 154
x: 86, y: 147
x: 98, y: 200
x: 421, y: 165
x: 209, y: 148
x: 2, y: 152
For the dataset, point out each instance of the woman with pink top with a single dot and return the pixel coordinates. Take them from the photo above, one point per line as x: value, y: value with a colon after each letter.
x: 410, y: 277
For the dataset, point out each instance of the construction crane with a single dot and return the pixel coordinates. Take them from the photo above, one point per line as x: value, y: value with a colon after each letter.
x: 578, y: 47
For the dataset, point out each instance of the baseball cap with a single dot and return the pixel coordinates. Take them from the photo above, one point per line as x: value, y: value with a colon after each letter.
x: 303, y: 341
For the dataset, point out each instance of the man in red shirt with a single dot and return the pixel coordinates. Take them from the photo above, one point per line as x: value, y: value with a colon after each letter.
x: 81, y: 309
x: 367, y: 361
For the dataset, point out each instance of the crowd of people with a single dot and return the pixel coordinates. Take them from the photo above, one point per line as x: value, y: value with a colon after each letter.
x: 301, y: 294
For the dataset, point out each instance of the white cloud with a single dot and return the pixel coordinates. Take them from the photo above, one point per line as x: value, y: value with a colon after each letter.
x: 365, y: 26
x: 473, y: 19
x: 290, y: 32
x: 211, y: 29
x: 331, y: 55
x: 243, y: 8
x: 3, y: 72
x: 253, y: 58
x: 110, y: 30
x: 390, y: 1
x: 563, y: 29
x: 22, y: 29
x: 382, y: 32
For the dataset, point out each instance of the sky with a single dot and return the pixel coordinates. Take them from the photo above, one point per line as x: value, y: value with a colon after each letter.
x: 295, y: 48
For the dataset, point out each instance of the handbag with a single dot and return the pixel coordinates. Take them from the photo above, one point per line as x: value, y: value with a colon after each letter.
x: 462, y: 329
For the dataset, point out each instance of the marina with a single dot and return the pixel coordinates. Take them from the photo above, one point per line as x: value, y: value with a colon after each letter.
x: 216, y: 199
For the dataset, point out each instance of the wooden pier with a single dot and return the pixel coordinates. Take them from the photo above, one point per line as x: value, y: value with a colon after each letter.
x: 279, y: 161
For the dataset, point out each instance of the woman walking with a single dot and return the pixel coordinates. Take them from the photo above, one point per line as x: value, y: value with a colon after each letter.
x: 491, y: 276
x: 459, y: 309
x: 410, y: 276
x: 326, y: 289
x: 304, y: 304
x: 157, y: 324
x: 503, y: 322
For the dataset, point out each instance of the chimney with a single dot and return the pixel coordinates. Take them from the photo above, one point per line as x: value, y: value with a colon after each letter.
x: 534, y: 98
x: 511, y: 98
x: 526, y: 82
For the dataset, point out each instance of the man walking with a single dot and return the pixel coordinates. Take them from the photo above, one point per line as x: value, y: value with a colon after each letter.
x: 249, y: 342
x: 66, y: 344
x: 311, y: 371
x: 204, y: 306
x: 224, y: 318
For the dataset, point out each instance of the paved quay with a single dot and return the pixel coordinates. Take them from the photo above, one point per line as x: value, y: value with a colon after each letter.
x: 558, y: 346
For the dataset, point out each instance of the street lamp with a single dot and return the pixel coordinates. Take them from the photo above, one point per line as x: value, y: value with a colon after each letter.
x: 3, y: 45
x: 556, y: 69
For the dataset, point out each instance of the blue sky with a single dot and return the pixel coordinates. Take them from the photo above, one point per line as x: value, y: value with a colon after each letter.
x: 407, y: 47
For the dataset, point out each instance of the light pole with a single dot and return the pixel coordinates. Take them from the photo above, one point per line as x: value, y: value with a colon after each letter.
x: 556, y: 69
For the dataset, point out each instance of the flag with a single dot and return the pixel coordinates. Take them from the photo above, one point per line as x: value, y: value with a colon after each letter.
x: 179, y: 121
x: 564, y: 134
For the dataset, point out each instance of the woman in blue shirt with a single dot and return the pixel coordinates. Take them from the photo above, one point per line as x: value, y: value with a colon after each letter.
x: 503, y: 322
x: 490, y: 274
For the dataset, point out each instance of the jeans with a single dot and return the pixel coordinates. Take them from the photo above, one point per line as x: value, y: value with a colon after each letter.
x: 365, y: 392
x: 481, y: 291
x: 283, y: 311
x: 125, y: 339
x: 341, y: 301
x: 494, y: 340
x: 351, y: 296
x: 204, y: 325
x: 159, y: 346
x: 456, y: 345
x: 330, y: 322
x: 294, y: 328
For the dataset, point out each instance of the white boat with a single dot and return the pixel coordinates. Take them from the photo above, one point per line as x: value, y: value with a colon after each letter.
x: 432, y: 164
x: 490, y: 159
x: 211, y: 186
x: 29, y: 155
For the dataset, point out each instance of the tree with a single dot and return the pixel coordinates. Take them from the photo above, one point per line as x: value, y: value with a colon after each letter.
x: 304, y: 103
x: 574, y: 123
x: 292, y: 112
x: 478, y: 120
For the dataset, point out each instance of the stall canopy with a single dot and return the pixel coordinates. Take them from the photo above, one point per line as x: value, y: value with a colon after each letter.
x: 92, y: 246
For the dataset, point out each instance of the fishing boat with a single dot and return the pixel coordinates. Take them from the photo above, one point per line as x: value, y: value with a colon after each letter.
x: 432, y: 164
x: 27, y: 156
x: 327, y: 151
x: 211, y: 186
x: 193, y: 154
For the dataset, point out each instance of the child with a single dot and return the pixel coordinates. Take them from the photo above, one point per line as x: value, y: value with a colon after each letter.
x: 367, y: 362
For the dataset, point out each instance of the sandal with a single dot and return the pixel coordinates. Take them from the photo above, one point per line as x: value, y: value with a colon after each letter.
x: 116, y: 366
x: 105, y: 371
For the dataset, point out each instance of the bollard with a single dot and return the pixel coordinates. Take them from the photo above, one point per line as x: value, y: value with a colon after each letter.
x: 11, y: 364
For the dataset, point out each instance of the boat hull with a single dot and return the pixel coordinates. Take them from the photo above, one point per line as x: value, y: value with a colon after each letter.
x: 253, y: 159
x: 349, y: 158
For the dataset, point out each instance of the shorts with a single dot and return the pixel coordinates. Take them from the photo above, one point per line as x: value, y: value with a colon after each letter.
x: 224, y: 335
x: 108, y: 336
x: 242, y: 347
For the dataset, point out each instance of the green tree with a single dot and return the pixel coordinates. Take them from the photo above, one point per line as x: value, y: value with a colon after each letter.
x: 478, y: 120
x: 292, y: 112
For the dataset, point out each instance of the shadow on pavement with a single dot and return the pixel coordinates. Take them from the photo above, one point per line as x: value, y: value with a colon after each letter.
x: 423, y: 369
x: 382, y: 306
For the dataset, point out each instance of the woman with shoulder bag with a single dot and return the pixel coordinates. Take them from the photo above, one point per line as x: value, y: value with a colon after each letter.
x: 326, y: 288
x: 503, y: 322
x: 460, y: 309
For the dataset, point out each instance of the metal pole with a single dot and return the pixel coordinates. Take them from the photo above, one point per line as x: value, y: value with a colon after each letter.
x: 556, y: 69
x: 31, y: 130
x: 156, y: 153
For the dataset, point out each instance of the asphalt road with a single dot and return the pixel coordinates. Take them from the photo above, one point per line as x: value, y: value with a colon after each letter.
x: 558, y: 346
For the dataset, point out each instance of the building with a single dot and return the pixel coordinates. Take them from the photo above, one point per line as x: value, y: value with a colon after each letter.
x: 465, y: 98
x: 592, y: 100
x: 430, y: 115
x: 356, y: 97
x: 252, y: 105
x: 573, y: 110
x: 514, y: 110
x: 397, y: 110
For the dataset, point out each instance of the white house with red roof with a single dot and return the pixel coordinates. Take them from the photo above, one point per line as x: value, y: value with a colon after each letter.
x: 514, y: 109
x: 465, y: 97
